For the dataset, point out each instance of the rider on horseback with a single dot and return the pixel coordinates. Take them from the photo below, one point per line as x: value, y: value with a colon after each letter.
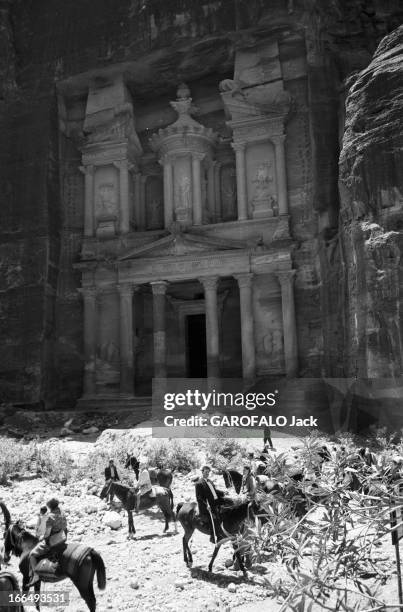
x: 144, y: 481
x: 55, y: 534
x: 209, y: 499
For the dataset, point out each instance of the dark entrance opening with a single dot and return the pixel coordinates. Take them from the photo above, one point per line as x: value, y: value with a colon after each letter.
x: 196, y: 346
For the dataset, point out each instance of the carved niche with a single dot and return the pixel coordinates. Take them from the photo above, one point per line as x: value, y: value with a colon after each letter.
x: 154, y: 203
x: 261, y: 180
x: 106, y: 201
x: 228, y: 192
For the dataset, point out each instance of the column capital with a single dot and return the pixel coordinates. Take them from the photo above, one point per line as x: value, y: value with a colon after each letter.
x: 209, y: 282
x: 88, y: 292
x: 196, y: 156
x: 87, y: 169
x: 245, y: 279
x: 278, y: 139
x: 124, y: 164
x: 286, y: 277
x: 126, y: 289
x: 159, y: 287
x: 238, y: 146
x: 166, y: 159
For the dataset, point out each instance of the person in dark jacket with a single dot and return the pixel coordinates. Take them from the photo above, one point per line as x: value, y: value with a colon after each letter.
x: 209, y: 499
x: 111, y: 473
x: 55, y: 533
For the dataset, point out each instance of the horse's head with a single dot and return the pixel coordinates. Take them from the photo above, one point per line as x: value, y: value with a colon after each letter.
x: 106, y: 489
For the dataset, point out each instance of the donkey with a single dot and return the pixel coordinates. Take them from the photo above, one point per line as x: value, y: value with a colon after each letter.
x: 127, y: 495
x: 20, y: 542
x: 234, y: 516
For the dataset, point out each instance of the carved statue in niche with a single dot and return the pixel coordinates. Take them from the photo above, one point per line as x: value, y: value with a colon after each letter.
x: 228, y: 193
x: 183, y: 198
x: 273, y: 343
x: 109, y: 352
x: 263, y: 201
x: 107, y: 200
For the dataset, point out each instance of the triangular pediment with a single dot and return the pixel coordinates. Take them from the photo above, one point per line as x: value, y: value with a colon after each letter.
x: 182, y: 243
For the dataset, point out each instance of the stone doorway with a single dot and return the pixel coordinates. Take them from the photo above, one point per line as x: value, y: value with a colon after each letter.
x: 196, y: 354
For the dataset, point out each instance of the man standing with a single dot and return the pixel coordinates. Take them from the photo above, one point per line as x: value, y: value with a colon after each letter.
x: 267, y: 441
x: 209, y: 499
x: 111, y: 473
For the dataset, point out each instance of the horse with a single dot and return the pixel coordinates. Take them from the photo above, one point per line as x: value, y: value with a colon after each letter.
x: 127, y: 496
x: 232, y: 478
x: 19, y: 541
x: 162, y: 477
x: 9, y: 585
x: 234, y: 515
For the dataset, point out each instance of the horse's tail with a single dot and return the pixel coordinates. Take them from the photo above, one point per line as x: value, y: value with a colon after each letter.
x: 171, y: 499
x: 178, y: 507
x: 7, y: 515
x: 100, y: 569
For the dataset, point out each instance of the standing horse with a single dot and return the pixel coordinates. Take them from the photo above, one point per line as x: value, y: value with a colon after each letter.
x: 127, y: 496
x: 20, y: 542
x: 233, y: 516
x: 162, y: 476
x: 232, y: 478
x: 9, y: 585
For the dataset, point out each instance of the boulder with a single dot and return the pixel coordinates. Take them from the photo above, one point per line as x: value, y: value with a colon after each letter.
x: 112, y: 520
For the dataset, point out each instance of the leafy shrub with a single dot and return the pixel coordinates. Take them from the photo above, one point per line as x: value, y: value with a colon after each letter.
x: 172, y: 454
x: 54, y: 461
x: 14, y: 457
x: 223, y: 453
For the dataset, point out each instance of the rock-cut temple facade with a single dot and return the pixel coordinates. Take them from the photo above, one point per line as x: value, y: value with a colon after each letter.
x: 186, y: 261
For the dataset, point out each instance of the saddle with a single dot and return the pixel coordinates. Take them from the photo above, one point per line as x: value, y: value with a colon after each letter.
x: 63, y: 560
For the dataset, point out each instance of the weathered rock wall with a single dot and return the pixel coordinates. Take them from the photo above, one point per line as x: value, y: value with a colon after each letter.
x: 371, y: 187
x: 41, y: 188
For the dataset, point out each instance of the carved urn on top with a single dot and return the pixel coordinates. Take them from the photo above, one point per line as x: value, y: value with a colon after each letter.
x: 186, y: 150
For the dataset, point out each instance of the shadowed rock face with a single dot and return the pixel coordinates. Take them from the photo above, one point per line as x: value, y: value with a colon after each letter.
x: 371, y: 189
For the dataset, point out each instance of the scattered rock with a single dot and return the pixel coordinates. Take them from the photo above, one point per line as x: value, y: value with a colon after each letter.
x: 112, y: 520
x: 232, y: 588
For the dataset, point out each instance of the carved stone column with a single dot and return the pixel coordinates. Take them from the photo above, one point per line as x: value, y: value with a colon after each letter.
x: 124, y: 206
x: 168, y: 192
x: 245, y: 283
x: 197, y: 189
x: 241, y: 181
x: 211, y: 191
x: 88, y: 172
x: 90, y: 339
x: 286, y: 280
x: 212, y: 331
x: 126, y: 338
x: 281, y: 174
x: 159, y: 290
x: 138, y: 212
x: 217, y: 186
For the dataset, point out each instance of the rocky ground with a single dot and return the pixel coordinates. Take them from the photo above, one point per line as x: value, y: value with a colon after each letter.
x: 148, y: 573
